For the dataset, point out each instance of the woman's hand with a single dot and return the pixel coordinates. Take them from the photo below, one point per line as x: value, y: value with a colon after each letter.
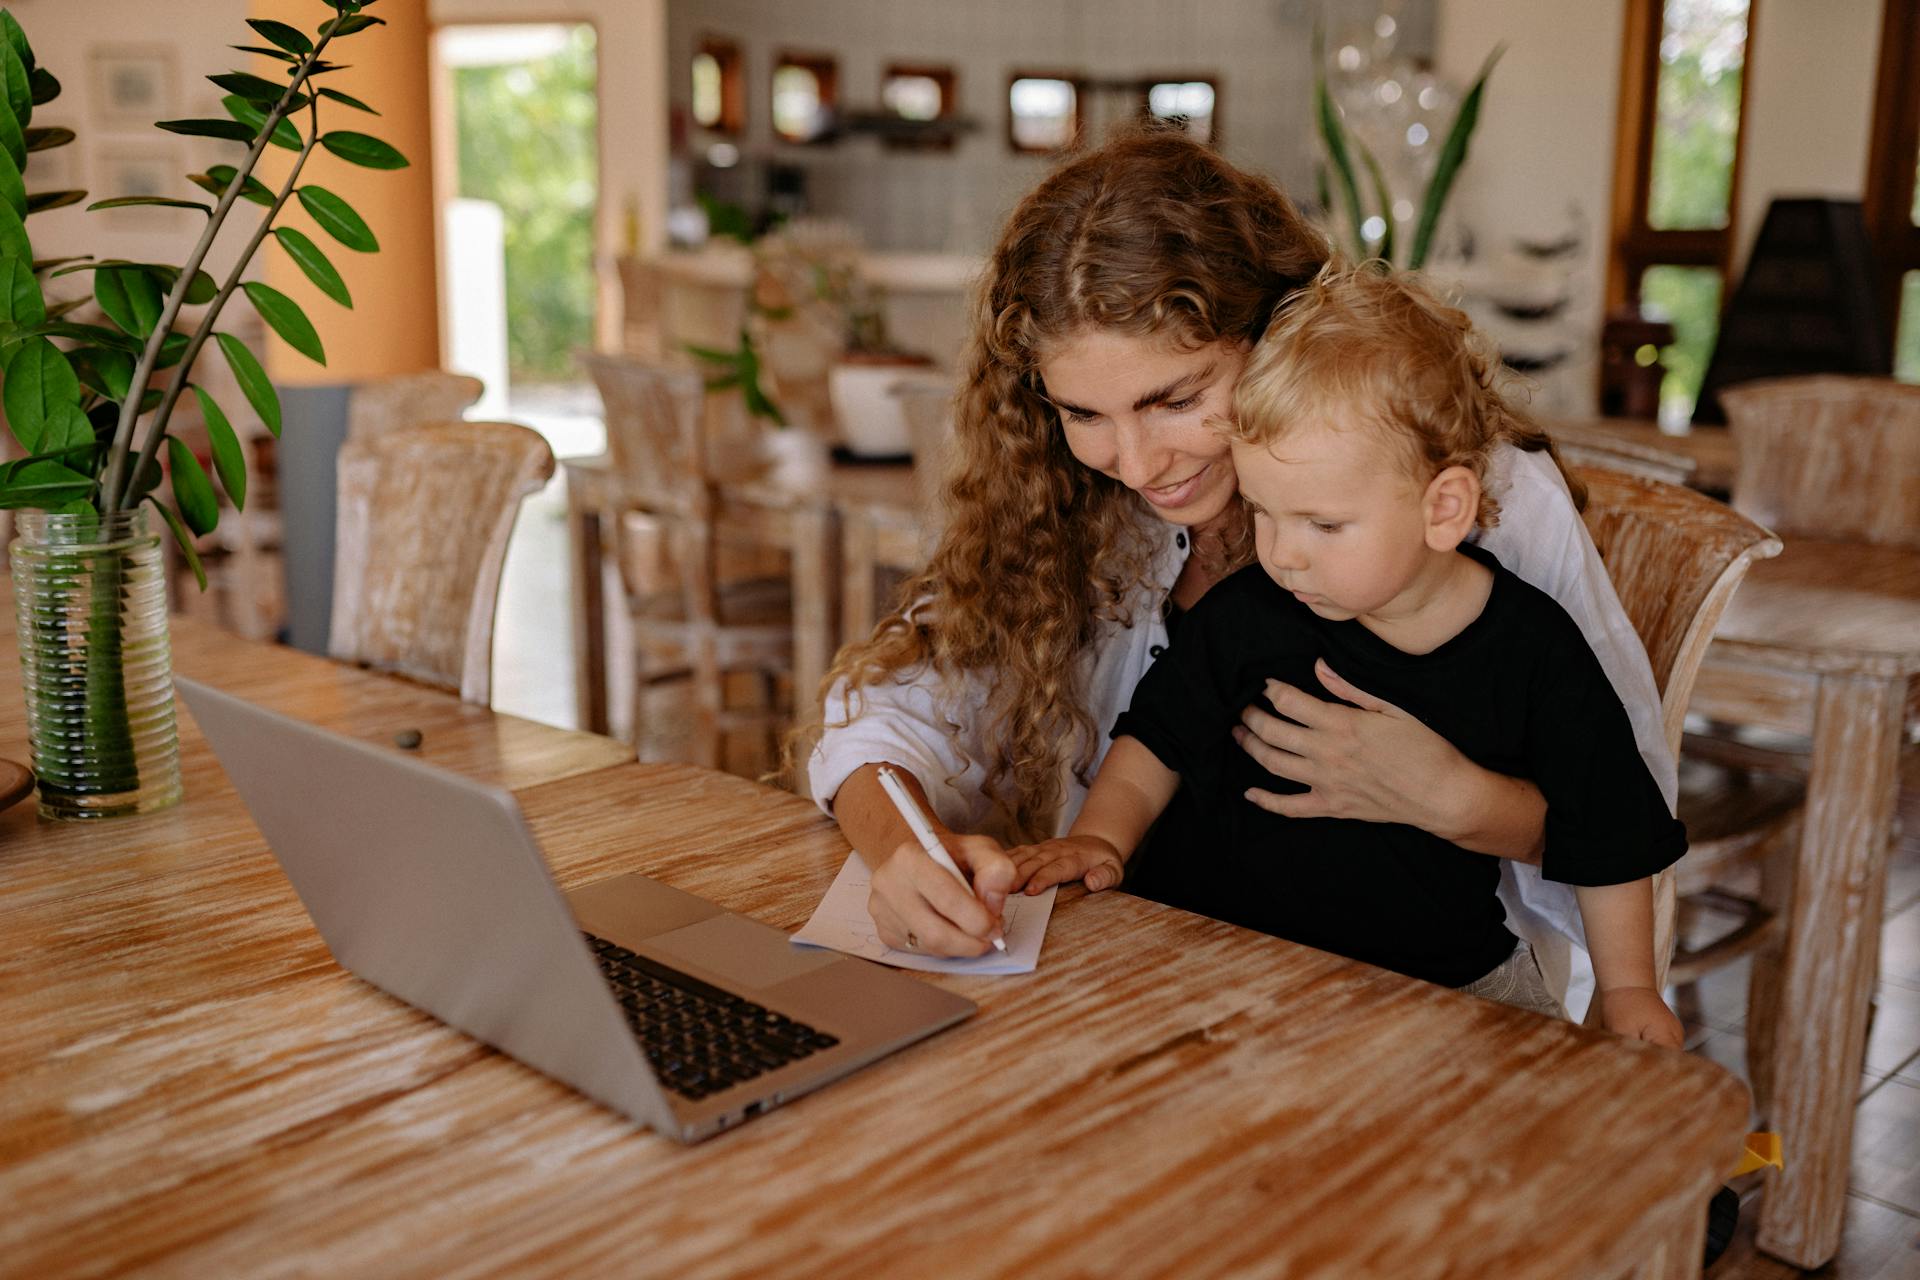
x: 1376, y: 763
x: 917, y: 905
x: 1089, y: 859
x: 1638, y: 1013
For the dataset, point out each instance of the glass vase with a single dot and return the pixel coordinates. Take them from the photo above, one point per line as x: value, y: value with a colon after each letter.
x: 90, y: 597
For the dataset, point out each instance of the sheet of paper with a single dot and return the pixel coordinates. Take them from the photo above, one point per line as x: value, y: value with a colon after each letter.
x: 841, y: 923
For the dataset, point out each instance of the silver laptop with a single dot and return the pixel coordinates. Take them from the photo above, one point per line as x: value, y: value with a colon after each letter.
x: 653, y: 1002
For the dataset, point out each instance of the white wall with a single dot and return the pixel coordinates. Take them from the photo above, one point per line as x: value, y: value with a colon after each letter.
x: 1258, y: 50
x: 1810, y: 105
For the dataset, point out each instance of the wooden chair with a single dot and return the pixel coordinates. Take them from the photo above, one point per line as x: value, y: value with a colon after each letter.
x: 421, y: 535
x: 882, y: 544
x: 1675, y: 557
x: 380, y: 405
x: 691, y: 619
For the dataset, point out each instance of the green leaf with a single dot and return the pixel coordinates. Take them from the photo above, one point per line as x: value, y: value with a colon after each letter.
x: 106, y: 372
x: 47, y: 264
x: 284, y: 134
x: 363, y: 149
x: 181, y: 536
x: 13, y: 233
x: 307, y: 255
x: 130, y: 298
x: 335, y: 216
x: 252, y: 379
x: 124, y: 202
x: 19, y: 84
x: 290, y: 38
x: 20, y: 300
x: 148, y: 476
x: 287, y: 319
x: 192, y: 491
x: 355, y: 103
x: 173, y: 348
x: 45, y: 87
x: 1453, y: 154
x: 13, y: 139
x: 231, y: 130
x: 39, y: 381
x: 46, y: 139
x: 97, y: 334
x: 1383, y: 199
x: 229, y: 462
x: 13, y: 190
x: 41, y: 201
x: 1335, y: 137
x: 65, y: 430
x: 264, y: 52
x: 348, y: 25
x: 244, y: 84
x: 16, y: 37
x: 44, y: 484
x: 217, y: 179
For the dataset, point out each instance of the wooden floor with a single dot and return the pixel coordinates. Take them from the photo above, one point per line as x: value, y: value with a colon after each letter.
x: 1882, y: 1240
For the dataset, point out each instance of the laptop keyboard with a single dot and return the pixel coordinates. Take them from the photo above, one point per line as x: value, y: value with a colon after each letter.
x: 699, y: 1038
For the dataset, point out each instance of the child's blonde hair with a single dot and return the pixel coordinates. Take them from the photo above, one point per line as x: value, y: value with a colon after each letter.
x: 1386, y: 353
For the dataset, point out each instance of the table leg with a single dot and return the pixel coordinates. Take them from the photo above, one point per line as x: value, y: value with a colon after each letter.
x: 1832, y: 948
x: 589, y: 613
x: 813, y: 601
x: 857, y: 556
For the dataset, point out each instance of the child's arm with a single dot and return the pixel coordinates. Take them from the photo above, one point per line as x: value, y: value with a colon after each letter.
x: 1619, y: 922
x: 1128, y: 793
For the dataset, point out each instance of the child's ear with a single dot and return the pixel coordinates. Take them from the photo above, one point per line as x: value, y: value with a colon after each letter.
x: 1452, y: 507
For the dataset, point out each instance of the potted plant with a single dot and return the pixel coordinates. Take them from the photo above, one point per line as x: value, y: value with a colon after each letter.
x: 860, y: 385
x: 91, y: 405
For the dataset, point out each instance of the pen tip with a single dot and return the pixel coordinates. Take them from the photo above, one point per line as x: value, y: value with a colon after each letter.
x: 1000, y: 944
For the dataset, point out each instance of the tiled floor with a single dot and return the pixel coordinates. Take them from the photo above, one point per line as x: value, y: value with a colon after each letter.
x: 533, y: 677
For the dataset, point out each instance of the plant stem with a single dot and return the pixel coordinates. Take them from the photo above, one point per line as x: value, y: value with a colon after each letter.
x: 119, y: 479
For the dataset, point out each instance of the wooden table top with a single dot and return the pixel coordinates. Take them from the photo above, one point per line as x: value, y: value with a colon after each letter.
x: 195, y: 1088
x: 1710, y: 449
x: 1828, y: 606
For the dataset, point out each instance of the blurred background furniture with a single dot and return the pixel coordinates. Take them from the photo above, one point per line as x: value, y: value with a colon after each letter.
x: 379, y: 405
x: 424, y: 513
x: 690, y: 620
x: 1588, y: 444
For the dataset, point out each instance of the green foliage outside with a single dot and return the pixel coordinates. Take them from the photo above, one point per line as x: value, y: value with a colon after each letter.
x: 1688, y: 297
x: 528, y: 143
x: 1906, y: 345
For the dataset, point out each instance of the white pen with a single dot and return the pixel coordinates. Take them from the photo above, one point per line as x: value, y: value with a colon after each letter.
x: 923, y: 830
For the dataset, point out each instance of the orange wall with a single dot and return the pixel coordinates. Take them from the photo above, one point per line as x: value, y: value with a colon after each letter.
x: 394, y: 324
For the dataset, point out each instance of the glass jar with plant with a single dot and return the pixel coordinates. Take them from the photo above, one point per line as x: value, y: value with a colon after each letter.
x: 91, y: 405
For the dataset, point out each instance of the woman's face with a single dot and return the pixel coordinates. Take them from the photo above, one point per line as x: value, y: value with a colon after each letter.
x: 1137, y: 409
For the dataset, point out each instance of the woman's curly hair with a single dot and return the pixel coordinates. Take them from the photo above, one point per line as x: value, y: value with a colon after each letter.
x: 1151, y: 235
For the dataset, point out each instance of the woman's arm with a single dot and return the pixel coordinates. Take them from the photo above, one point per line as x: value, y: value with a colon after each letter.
x: 915, y: 904
x: 1374, y: 762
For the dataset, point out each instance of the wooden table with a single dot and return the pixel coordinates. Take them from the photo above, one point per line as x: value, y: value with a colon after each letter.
x: 1824, y: 641
x: 1709, y: 449
x: 812, y: 532
x: 194, y: 1088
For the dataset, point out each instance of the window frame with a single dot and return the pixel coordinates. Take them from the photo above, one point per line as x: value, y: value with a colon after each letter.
x: 826, y: 73
x: 1635, y: 245
x: 733, y: 85
x: 1210, y: 79
x: 1074, y: 78
x: 942, y: 74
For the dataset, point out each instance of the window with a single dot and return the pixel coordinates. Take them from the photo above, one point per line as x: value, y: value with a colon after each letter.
x: 1193, y: 103
x: 805, y: 93
x: 1043, y: 112
x: 1892, y: 203
x: 921, y: 94
x: 1676, y: 175
x: 719, y: 87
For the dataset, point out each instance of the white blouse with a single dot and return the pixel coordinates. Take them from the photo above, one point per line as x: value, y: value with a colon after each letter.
x: 925, y: 723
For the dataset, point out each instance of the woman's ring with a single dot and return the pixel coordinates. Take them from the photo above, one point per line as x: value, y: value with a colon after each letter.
x: 913, y: 943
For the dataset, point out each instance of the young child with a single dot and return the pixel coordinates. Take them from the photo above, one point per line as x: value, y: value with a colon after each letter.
x: 1362, y: 426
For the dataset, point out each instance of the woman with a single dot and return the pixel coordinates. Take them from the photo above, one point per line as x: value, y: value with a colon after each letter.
x: 1089, y: 503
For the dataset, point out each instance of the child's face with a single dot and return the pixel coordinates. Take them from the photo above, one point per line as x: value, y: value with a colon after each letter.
x: 1338, y: 519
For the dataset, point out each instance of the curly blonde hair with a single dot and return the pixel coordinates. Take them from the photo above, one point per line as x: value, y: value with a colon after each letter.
x: 1152, y: 235
x: 1383, y: 347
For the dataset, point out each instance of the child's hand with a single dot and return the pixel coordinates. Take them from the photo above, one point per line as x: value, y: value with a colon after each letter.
x: 1085, y: 858
x: 1639, y: 1013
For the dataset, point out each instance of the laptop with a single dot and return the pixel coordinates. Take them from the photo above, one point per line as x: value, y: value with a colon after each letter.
x: 655, y: 1003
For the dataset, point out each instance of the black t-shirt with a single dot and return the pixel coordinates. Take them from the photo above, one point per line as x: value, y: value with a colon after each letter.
x: 1517, y: 691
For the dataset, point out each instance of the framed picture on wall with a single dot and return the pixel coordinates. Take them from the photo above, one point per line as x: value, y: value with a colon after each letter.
x: 139, y: 169
x: 132, y: 85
